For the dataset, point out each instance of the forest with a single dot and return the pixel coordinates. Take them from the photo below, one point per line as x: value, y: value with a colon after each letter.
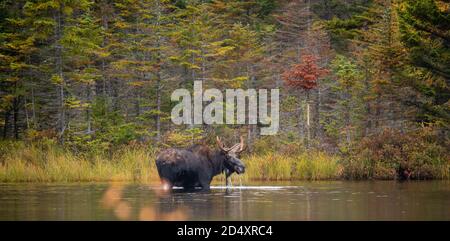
x: 85, y: 85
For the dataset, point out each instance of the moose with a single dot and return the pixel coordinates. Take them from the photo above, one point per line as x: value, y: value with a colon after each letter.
x: 196, y: 166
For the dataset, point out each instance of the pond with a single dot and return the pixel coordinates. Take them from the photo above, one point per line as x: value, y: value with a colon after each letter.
x: 315, y: 200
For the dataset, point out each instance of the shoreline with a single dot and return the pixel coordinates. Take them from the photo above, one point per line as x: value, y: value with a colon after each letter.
x: 39, y: 162
x: 219, y: 181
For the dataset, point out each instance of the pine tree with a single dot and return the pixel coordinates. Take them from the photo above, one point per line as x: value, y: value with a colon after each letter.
x: 425, y: 29
x: 17, y: 46
x: 345, y: 119
x: 81, y: 41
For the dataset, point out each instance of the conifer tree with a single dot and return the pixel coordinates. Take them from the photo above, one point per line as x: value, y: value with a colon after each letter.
x: 425, y: 30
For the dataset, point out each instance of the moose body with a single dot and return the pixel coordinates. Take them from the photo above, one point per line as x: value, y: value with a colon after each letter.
x: 197, y: 165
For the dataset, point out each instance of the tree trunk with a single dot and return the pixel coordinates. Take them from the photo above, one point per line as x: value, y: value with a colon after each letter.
x: 158, y: 107
x: 308, y: 124
x: 59, y: 70
x: 317, y: 130
x: 300, y: 119
x: 158, y: 80
x: 252, y: 128
x: 33, y: 108
x: 347, y: 126
x: 27, y: 117
x: 368, y: 124
x: 88, y: 110
x: 16, y: 117
x: 5, y: 127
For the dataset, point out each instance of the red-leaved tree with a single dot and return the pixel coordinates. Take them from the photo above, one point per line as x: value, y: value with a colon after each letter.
x: 304, y: 76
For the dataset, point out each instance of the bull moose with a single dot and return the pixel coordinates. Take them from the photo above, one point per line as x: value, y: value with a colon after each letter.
x: 196, y: 166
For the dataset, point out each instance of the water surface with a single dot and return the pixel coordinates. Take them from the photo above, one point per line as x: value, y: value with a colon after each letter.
x: 324, y: 200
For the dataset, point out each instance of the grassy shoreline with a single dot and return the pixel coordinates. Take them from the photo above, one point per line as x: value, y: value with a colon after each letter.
x: 38, y: 162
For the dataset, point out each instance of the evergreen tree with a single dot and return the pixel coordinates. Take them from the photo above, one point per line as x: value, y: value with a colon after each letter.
x: 425, y: 29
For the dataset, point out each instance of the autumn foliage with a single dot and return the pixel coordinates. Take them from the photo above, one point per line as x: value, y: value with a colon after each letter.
x: 305, y: 74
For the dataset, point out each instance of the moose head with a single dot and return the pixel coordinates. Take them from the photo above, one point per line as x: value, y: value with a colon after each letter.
x: 232, y: 154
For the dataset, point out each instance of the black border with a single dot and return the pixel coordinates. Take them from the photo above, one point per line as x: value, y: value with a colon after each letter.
x: 282, y: 230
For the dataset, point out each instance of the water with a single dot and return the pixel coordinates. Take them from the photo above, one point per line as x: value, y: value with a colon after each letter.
x: 331, y: 200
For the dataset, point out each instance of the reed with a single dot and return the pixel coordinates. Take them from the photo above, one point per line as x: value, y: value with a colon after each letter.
x: 50, y: 163
x: 276, y: 166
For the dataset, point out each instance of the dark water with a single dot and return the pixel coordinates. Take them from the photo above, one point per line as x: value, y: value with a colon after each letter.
x: 335, y: 200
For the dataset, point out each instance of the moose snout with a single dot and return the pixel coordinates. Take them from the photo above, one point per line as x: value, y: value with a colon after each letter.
x: 240, y: 169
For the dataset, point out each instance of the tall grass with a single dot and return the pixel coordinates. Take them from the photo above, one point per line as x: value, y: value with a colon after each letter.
x: 50, y: 163
x: 38, y: 162
x: 276, y: 166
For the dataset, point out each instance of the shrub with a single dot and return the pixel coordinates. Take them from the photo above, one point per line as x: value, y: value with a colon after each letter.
x: 392, y: 154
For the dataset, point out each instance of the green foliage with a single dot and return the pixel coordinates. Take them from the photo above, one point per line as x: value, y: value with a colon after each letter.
x: 345, y: 119
x: 124, y: 133
x: 183, y: 138
x: 425, y: 27
x: 344, y: 20
x: 288, y: 144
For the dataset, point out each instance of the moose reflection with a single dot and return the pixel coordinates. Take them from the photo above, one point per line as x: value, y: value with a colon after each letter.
x: 196, y: 166
x: 115, y: 199
x: 157, y: 203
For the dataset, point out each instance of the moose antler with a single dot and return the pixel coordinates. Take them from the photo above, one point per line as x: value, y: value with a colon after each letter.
x: 221, y: 145
x: 240, y: 147
x: 236, y: 148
